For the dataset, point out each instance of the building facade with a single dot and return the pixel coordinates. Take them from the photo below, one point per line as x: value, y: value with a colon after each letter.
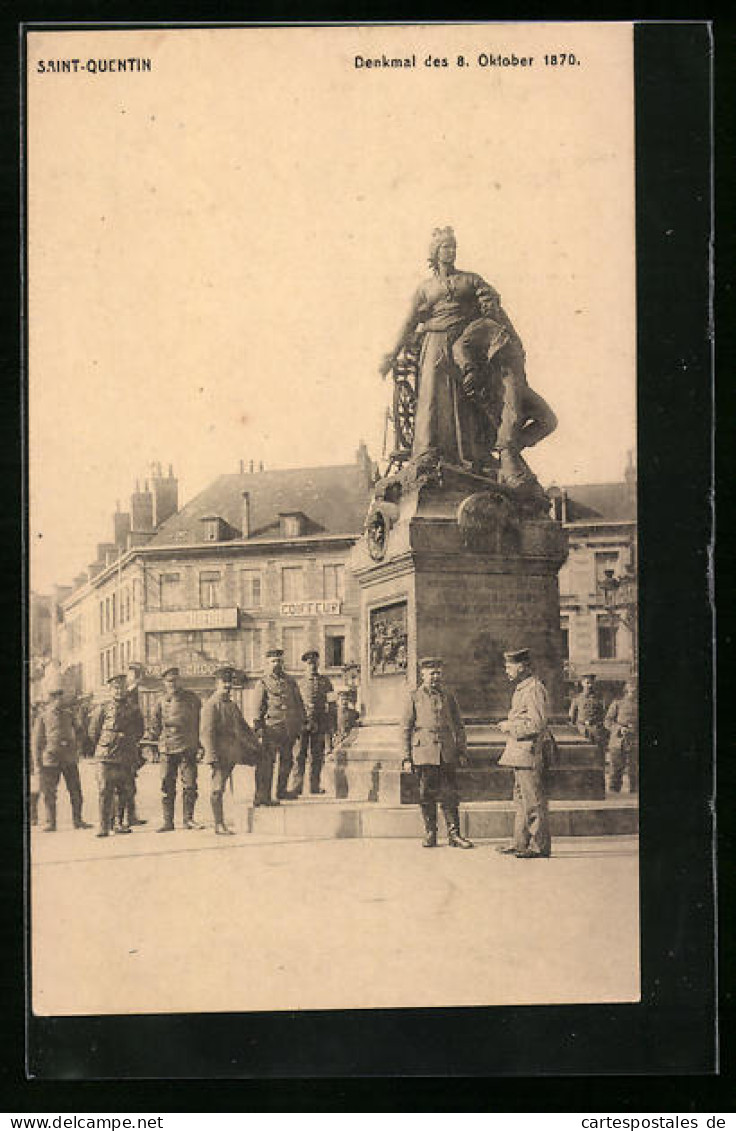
x: 256, y: 560
x: 599, y: 633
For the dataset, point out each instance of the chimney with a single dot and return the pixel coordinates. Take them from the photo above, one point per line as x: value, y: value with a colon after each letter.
x: 141, y: 509
x: 80, y: 580
x: 242, y: 467
x: 93, y: 569
x: 246, y: 514
x: 251, y: 465
x: 260, y: 466
x: 630, y: 472
x: 121, y: 526
x: 104, y: 549
x: 165, y: 495
x: 111, y: 555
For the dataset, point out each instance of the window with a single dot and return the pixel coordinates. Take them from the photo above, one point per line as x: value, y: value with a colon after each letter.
x: 172, y: 594
x: 209, y: 590
x: 293, y: 645
x: 107, y: 614
x: 333, y: 582
x: 291, y: 583
x: 604, y: 561
x: 565, y: 634
x: 102, y: 617
x: 253, y: 656
x: 153, y: 648
x: 113, y: 610
x: 212, y: 526
x: 607, y: 631
x: 334, y: 649
x: 102, y: 667
x: 250, y: 588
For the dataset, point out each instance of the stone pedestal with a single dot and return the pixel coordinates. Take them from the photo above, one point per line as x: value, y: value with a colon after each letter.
x: 456, y: 566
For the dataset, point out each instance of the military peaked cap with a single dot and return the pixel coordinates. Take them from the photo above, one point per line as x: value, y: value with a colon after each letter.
x: 274, y: 652
x: 225, y: 673
x: 431, y: 662
x: 519, y: 656
x: 310, y: 654
x: 118, y: 678
x: 170, y: 671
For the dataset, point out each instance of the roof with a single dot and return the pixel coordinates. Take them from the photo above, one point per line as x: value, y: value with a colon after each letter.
x: 333, y: 499
x: 612, y: 502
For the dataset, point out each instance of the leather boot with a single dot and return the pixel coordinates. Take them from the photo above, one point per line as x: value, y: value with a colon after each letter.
x: 168, y: 825
x: 50, y: 806
x: 429, y: 815
x: 133, y: 818
x: 105, y: 816
x: 119, y: 825
x: 189, y: 803
x: 452, y: 820
x: 77, y: 816
x: 221, y: 828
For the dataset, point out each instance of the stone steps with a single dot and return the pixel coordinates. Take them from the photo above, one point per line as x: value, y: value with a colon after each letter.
x: 330, y: 818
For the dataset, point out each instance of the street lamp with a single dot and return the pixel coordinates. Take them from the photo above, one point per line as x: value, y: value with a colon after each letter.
x: 620, y: 598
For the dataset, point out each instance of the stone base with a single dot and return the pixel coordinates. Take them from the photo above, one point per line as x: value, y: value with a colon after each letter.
x: 490, y: 820
x: 372, y: 768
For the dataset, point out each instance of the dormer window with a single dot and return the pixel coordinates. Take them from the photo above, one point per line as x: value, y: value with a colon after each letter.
x: 291, y: 524
x: 213, y: 528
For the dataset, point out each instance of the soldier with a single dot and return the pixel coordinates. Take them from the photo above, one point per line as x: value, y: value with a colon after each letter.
x: 34, y: 779
x: 587, y: 713
x: 126, y: 811
x: 526, y: 751
x: 317, y: 726
x: 116, y: 731
x: 227, y: 740
x: 278, y: 722
x: 55, y: 753
x: 175, y: 724
x: 622, y: 722
x: 434, y: 743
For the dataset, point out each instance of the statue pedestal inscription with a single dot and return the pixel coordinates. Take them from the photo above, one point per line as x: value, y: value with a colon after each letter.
x: 457, y: 566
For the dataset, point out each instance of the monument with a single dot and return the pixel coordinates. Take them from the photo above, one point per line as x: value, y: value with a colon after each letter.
x: 460, y: 555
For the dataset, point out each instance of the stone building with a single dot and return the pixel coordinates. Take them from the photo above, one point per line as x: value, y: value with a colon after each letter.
x: 599, y: 627
x: 255, y: 560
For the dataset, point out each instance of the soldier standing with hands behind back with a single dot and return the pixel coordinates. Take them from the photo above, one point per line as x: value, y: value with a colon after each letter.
x: 316, y: 689
x: 116, y: 731
x: 587, y: 713
x: 176, y: 725
x: 434, y: 743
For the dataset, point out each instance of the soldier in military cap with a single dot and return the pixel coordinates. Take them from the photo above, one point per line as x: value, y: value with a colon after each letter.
x: 126, y: 814
x: 434, y: 744
x: 55, y: 753
x: 587, y: 712
x: 116, y: 731
x: 526, y: 752
x: 316, y: 690
x: 278, y: 723
x: 622, y: 722
x: 175, y: 725
x: 227, y: 740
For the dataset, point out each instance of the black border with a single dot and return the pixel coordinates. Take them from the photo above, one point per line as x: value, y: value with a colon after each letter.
x: 672, y: 1031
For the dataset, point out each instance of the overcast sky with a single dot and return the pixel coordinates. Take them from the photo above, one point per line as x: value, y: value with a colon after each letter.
x: 221, y: 250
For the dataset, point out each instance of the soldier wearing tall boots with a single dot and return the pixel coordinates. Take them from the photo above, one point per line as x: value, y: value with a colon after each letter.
x: 228, y: 741
x: 622, y: 722
x: 279, y: 720
x: 175, y: 724
x: 434, y: 744
x: 316, y: 690
x: 587, y: 713
x: 116, y: 731
x: 526, y: 751
x: 126, y: 813
x: 55, y: 754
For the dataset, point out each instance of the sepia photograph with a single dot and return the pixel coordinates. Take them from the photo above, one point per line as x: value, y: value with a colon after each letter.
x: 333, y: 656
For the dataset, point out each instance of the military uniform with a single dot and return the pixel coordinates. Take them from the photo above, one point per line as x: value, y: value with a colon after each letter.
x: 587, y: 716
x: 126, y: 810
x: 175, y: 724
x: 622, y: 722
x: 228, y: 741
x: 433, y: 740
x: 116, y: 731
x: 55, y: 753
x: 317, y: 725
x: 525, y: 754
x: 278, y: 721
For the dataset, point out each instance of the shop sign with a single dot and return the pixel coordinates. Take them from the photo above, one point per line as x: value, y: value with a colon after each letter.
x: 311, y: 608
x: 190, y: 620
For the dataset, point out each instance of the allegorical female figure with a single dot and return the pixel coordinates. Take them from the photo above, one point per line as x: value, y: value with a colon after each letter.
x: 465, y: 405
